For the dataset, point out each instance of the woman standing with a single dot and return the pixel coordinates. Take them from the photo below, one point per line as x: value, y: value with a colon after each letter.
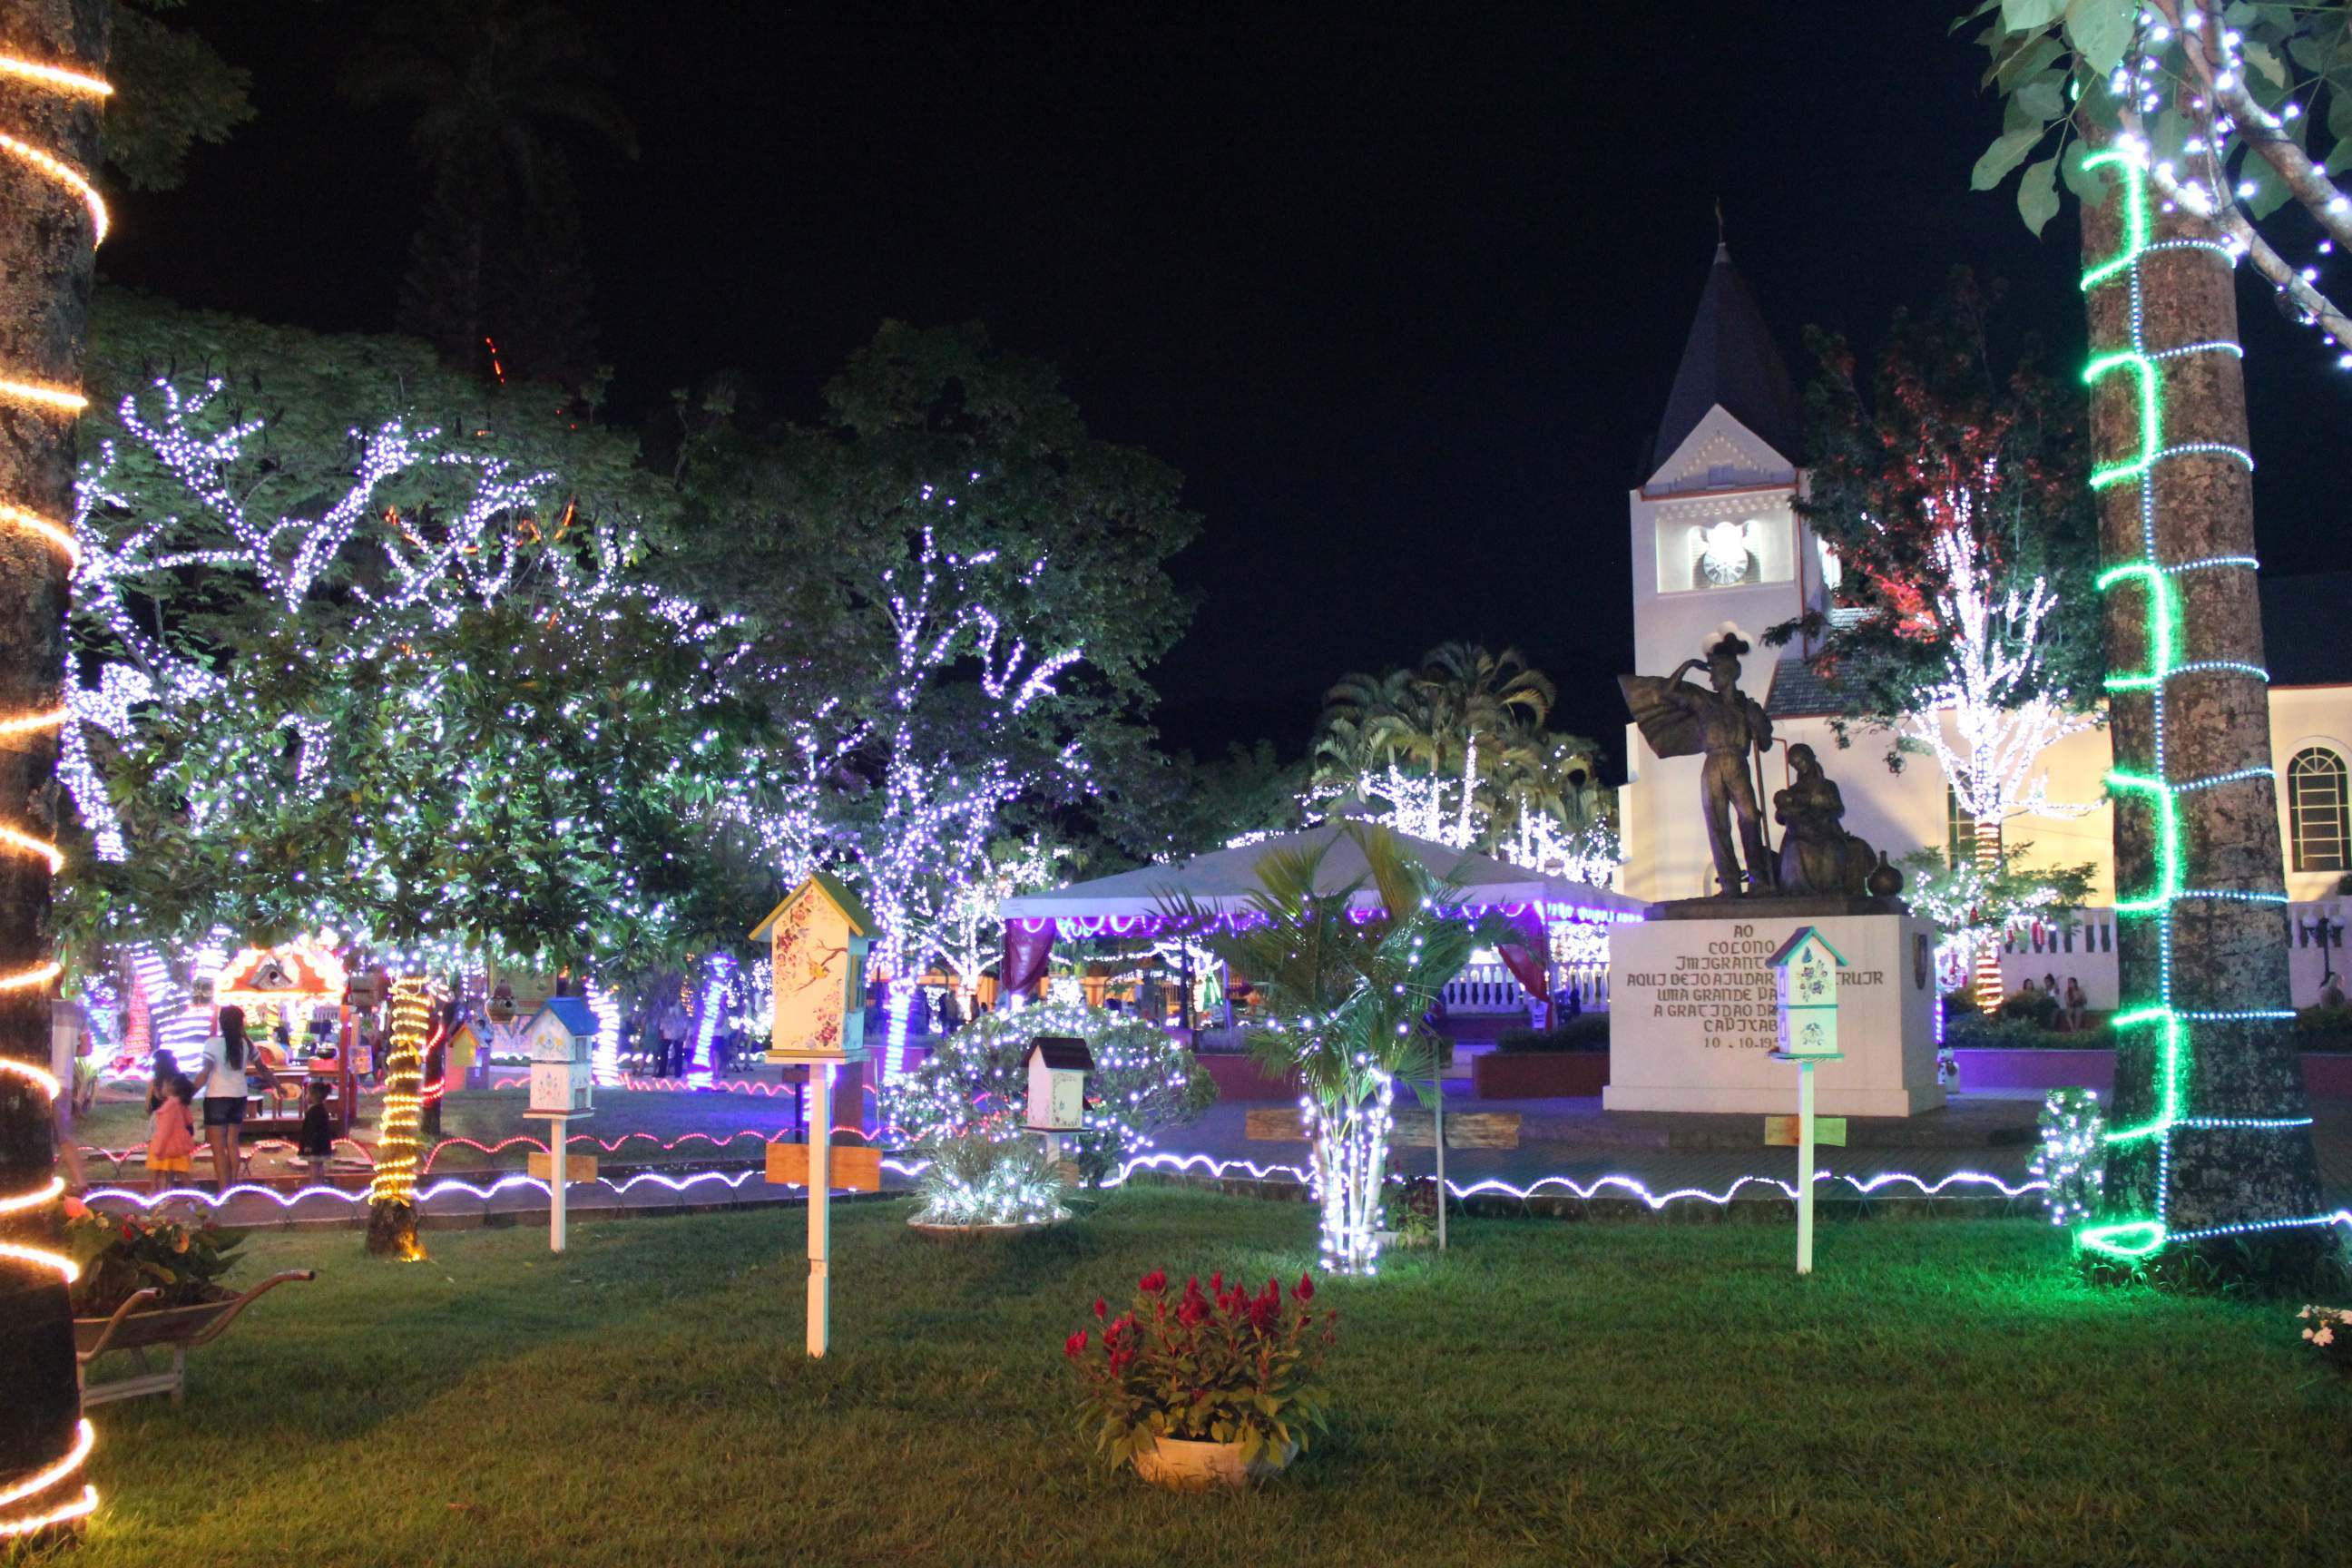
x: 223, y: 1078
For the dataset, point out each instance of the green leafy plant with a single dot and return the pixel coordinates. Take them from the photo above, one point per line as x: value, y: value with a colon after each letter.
x: 1345, y: 992
x: 2072, y: 1156
x: 977, y: 1178
x: 1219, y: 1365
x: 2324, y: 1029
x: 122, y: 1255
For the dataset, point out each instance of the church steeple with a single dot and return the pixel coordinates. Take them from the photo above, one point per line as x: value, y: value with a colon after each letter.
x: 1729, y: 360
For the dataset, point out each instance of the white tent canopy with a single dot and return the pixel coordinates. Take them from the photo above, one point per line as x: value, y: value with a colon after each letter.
x: 1221, y: 882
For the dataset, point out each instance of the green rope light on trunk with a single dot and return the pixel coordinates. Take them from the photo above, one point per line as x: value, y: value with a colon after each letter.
x: 2138, y: 1236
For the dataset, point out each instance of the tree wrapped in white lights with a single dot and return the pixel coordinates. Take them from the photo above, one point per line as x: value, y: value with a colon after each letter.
x: 430, y: 711
x: 2003, y: 714
x: 946, y: 759
x: 1344, y: 1005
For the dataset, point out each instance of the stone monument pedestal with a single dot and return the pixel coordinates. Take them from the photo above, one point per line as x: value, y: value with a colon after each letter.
x: 1693, y: 1018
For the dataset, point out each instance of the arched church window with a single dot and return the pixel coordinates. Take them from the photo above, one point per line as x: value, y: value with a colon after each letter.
x: 2319, y: 814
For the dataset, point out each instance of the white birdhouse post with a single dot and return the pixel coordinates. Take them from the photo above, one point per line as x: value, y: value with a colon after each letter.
x: 1805, y: 974
x: 817, y: 942
x: 1058, y: 1065
x: 561, y: 1037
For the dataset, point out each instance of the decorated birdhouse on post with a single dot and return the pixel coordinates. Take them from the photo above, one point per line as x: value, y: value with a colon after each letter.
x: 562, y: 1039
x: 817, y: 941
x: 1805, y: 973
x: 1058, y: 1065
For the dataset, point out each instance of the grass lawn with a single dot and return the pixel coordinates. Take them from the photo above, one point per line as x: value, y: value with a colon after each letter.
x: 1942, y: 1393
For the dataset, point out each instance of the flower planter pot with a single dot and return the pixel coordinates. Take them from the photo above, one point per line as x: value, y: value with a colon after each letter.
x: 1186, y: 1465
x: 934, y: 1231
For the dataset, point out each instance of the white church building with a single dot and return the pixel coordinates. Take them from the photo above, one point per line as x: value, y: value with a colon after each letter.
x: 1716, y: 539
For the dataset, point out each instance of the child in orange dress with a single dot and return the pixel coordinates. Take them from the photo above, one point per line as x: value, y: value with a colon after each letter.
x: 171, y: 1135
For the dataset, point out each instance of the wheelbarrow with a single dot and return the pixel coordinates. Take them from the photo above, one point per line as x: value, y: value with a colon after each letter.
x: 176, y: 1329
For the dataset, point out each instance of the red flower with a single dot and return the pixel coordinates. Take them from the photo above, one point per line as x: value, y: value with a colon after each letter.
x: 1153, y: 1283
x: 1076, y: 1345
x: 1102, y: 1308
x: 1304, y: 1290
x: 1217, y: 1283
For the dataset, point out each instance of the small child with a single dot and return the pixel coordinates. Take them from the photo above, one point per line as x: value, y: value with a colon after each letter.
x: 171, y: 1134
x: 316, y: 1143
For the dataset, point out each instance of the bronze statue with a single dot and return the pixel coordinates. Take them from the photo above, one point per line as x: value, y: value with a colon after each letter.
x: 1817, y: 854
x: 1681, y: 719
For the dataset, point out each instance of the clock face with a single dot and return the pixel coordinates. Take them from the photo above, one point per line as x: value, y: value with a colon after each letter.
x: 1723, y: 553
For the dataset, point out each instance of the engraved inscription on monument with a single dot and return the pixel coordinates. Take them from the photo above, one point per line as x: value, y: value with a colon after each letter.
x: 1695, y: 1017
x: 1723, y: 987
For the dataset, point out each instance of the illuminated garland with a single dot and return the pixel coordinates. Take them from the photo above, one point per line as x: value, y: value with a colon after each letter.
x: 2157, y: 791
x: 1601, y: 1188
x: 66, y: 401
x: 392, y: 1193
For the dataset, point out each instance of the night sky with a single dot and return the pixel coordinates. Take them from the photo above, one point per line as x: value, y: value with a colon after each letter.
x: 1401, y: 301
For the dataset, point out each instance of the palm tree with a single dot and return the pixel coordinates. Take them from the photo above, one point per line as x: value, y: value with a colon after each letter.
x: 1343, y: 1007
x: 46, y: 241
x: 1478, y: 697
x: 499, y: 87
x: 1365, y: 720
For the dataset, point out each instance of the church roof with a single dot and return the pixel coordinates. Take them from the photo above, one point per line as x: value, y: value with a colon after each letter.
x: 1730, y: 360
x: 1800, y: 691
x: 2303, y: 628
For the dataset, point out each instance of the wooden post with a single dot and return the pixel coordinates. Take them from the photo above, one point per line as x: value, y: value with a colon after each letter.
x: 1804, y: 1167
x: 1439, y: 1140
x: 820, y: 1189
x: 558, y: 1148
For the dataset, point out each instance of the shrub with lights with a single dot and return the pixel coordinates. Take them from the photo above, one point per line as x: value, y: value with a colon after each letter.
x: 1143, y: 1079
x: 1344, y: 1004
x: 976, y: 1178
x: 2072, y: 1156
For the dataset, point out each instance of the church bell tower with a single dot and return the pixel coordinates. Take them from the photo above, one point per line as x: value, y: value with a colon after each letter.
x: 1717, y: 541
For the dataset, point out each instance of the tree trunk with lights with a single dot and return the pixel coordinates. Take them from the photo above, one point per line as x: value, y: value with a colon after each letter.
x: 1990, y: 986
x: 2209, y: 1161
x: 400, y: 1146
x: 46, y: 234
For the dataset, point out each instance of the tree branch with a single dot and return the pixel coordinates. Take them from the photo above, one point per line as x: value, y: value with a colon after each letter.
x: 2329, y: 316
x: 2310, y: 184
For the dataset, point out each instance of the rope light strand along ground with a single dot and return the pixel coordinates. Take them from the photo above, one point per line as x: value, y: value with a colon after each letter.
x: 2154, y: 790
x: 21, y: 514
x: 1600, y: 1187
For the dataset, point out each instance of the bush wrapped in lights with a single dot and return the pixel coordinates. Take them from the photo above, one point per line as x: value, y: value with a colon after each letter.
x: 1143, y: 1079
x: 977, y: 1179
x: 2073, y: 1157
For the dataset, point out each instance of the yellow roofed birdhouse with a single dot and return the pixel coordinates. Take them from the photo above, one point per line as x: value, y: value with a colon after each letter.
x: 1805, y: 974
x: 817, y: 941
